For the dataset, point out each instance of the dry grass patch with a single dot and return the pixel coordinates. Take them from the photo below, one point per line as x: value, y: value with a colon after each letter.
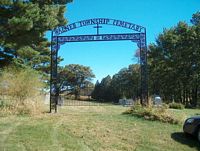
x: 94, y: 128
x: 20, y: 91
x: 159, y: 113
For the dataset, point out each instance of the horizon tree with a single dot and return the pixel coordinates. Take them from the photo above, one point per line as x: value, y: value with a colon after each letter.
x: 76, y: 77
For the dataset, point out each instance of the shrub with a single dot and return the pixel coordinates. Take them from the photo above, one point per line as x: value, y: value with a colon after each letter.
x: 153, y: 114
x: 176, y: 106
x: 4, y: 104
x: 21, y: 90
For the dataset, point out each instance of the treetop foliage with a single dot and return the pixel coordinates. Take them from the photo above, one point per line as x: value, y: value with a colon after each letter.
x: 23, y: 27
x: 75, y: 77
x: 174, y: 65
x: 196, y: 18
x: 173, y: 69
x: 124, y: 84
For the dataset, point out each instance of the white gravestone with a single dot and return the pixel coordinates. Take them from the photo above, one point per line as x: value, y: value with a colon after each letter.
x: 157, y: 101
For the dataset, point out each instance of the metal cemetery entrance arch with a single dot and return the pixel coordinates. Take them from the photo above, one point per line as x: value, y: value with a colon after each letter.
x: 139, y: 36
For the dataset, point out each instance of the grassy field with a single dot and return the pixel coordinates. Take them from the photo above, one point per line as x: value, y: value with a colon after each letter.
x: 93, y: 128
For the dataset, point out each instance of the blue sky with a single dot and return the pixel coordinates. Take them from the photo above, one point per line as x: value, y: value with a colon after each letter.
x: 109, y: 57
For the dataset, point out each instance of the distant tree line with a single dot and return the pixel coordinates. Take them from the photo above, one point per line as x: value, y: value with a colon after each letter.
x: 173, y: 69
x: 124, y: 84
x: 174, y: 63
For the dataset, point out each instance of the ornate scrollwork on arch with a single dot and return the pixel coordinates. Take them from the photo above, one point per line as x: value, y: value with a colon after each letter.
x: 139, y: 37
x: 97, y: 21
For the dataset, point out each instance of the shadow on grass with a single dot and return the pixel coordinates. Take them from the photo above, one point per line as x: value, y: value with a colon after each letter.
x: 186, y: 140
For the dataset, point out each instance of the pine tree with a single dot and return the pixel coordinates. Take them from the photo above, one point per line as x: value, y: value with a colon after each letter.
x: 23, y: 25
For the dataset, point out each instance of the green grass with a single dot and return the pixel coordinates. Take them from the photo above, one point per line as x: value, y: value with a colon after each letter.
x: 93, y: 128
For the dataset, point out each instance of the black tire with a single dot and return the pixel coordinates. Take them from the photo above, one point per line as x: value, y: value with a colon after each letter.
x: 198, y: 134
x: 187, y: 134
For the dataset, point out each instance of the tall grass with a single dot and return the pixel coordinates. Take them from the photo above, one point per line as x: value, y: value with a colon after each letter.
x: 21, y: 89
x: 153, y: 113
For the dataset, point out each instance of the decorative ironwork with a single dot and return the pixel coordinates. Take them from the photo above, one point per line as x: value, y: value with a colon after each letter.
x: 139, y: 37
x: 97, y: 27
x: 143, y: 67
x: 98, y: 21
x: 99, y: 37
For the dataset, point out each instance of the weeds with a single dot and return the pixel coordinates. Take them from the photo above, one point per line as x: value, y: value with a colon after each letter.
x: 152, y: 113
x: 176, y: 106
x: 21, y: 90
